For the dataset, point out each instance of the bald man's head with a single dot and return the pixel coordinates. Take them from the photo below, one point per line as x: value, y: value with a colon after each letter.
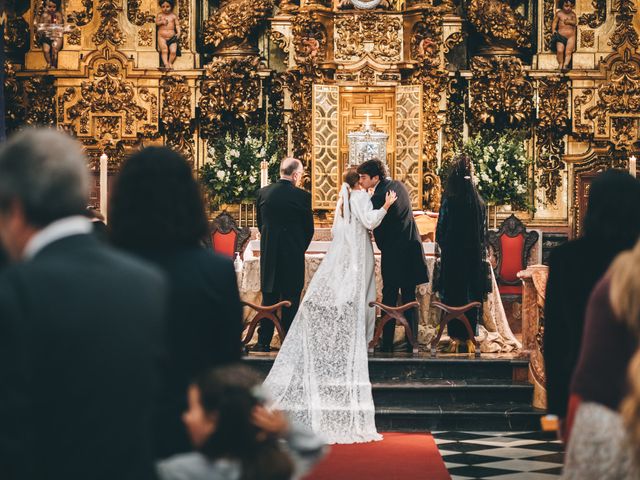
x: 291, y: 169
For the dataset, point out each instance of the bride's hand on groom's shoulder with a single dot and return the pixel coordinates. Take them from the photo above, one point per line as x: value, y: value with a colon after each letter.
x: 390, y: 199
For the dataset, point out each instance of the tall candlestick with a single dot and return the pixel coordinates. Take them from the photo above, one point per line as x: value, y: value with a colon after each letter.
x: 632, y: 165
x: 264, y: 174
x: 103, y: 184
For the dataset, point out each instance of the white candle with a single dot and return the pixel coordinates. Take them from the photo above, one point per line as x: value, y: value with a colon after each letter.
x: 103, y: 184
x: 632, y: 165
x: 264, y: 174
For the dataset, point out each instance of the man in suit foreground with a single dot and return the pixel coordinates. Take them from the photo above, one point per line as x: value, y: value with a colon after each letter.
x: 285, y: 221
x: 80, y: 326
x: 402, y: 263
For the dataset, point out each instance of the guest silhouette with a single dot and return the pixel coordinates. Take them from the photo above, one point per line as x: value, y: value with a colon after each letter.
x: 461, y: 234
x: 205, y: 315
x: 611, y: 225
x: 81, y: 326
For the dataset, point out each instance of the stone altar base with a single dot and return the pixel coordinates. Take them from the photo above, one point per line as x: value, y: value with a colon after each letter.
x: 449, y: 392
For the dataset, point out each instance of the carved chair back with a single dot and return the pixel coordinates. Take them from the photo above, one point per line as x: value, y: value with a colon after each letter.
x: 225, y: 237
x: 511, y: 246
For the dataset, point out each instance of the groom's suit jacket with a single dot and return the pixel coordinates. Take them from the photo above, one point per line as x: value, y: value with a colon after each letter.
x: 398, y: 239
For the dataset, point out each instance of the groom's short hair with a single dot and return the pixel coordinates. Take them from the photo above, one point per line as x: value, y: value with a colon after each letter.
x: 289, y: 165
x: 372, y: 168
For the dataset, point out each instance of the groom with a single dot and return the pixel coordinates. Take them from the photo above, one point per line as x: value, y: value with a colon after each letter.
x: 397, y: 237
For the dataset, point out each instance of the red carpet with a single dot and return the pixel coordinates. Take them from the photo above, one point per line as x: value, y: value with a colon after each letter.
x: 400, y: 456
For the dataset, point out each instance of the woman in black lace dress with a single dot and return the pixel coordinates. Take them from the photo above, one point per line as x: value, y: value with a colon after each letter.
x: 462, y: 237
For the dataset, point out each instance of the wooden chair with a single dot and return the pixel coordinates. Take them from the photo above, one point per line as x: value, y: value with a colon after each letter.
x: 451, y: 313
x: 511, y: 245
x: 266, y: 312
x: 225, y: 237
x: 397, y: 314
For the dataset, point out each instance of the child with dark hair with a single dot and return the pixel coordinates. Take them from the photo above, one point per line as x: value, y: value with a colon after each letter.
x: 236, y: 435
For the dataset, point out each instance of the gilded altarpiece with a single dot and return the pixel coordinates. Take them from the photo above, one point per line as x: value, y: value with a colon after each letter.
x: 428, y: 74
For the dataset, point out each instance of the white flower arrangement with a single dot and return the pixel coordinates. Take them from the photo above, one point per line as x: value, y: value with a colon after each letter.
x: 232, y: 175
x: 501, y: 167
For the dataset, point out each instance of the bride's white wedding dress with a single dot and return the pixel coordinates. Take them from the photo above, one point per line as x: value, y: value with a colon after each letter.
x: 321, y: 374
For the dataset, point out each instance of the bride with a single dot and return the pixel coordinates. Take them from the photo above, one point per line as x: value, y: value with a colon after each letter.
x: 321, y: 375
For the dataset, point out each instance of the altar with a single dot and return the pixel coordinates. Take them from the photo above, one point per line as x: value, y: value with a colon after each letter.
x: 494, y: 333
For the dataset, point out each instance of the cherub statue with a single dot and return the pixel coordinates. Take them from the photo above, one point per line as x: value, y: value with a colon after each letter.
x: 50, y: 31
x: 168, y: 34
x: 563, y: 40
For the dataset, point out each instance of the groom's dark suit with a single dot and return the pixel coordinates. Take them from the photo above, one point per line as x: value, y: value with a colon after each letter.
x: 403, y: 265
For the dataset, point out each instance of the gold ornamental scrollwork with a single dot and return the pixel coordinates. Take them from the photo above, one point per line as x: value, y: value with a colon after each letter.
x: 501, y: 94
x: 109, y: 28
x: 136, y: 15
x: 597, y: 17
x: 16, y: 34
x: 176, y: 115
x: 548, y: 13
x: 624, y: 31
x: 426, y: 39
x: 15, y: 107
x: 229, y: 91
x: 41, y: 100
x: 501, y: 25
x: 82, y: 17
x: 382, y: 32
x: 108, y: 94
x: 230, y: 26
x: 309, y: 38
x: 552, y: 126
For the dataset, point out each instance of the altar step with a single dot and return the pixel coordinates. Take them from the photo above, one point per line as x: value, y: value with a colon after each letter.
x: 462, y: 393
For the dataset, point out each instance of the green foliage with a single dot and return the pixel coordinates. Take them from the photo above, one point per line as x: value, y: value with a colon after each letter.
x: 501, y: 168
x: 233, y: 176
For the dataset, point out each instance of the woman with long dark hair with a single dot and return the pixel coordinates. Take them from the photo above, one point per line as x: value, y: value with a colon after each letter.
x: 461, y: 234
x: 156, y: 212
x: 236, y: 435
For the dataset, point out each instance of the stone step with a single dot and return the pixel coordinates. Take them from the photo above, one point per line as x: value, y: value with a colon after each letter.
x: 408, y: 369
x: 494, y: 417
x: 449, y: 393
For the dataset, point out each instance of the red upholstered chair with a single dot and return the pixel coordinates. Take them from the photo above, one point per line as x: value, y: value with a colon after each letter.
x: 225, y: 237
x: 511, y: 246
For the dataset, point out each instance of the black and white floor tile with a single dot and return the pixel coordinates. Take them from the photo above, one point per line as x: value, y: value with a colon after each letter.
x: 500, y: 455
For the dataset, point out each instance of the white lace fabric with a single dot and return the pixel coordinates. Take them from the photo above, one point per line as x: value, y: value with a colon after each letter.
x: 321, y: 375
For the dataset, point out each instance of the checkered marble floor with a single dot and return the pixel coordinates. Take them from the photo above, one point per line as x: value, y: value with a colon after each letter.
x: 500, y: 455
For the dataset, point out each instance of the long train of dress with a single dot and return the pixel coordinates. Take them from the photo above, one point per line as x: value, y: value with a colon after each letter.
x: 321, y: 374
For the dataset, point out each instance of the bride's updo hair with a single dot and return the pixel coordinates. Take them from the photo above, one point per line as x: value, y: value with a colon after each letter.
x: 351, y: 177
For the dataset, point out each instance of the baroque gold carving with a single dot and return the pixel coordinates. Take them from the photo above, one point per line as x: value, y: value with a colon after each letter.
x: 624, y: 31
x: 109, y: 29
x: 283, y: 42
x: 425, y: 38
x: 136, y: 16
x: 16, y: 33
x: 309, y: 40
x: 230, y: 91
x: 549, y: 10
x: 107, y: 94
x: 325, y: 155
x: 500, y: 24
x: 453, y: 40
x: 624, y: 132
x: 408, y: 159
x: 82, y: 17
x: 553, y: 120
x: 501, y: 94
x: 587, y: 38
x: 597, y: 17
x: 74, y: 36
x: 354, y: 34
x: 176, y: 115
x: 15, y: 108
x: 184, y: 14
x: 230, y: 26
x: 145, y: 37
x: 41, y: 100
